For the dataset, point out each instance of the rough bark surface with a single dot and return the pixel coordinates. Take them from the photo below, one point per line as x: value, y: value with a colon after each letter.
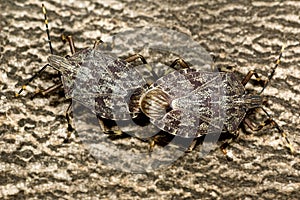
x: 243, y: 35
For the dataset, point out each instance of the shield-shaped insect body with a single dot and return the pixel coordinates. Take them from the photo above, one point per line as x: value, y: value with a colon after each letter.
x: 101, y: 82
x: 190, y: 103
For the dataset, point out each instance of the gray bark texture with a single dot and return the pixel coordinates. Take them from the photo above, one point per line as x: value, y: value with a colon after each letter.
x: 35, y: 163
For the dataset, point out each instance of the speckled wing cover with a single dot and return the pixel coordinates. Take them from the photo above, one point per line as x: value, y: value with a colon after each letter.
x: 103, y: 83
x: 199, y: 101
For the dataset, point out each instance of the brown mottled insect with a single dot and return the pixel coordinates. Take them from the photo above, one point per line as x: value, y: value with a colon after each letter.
x: 107, y: 85
x: 190, y: 103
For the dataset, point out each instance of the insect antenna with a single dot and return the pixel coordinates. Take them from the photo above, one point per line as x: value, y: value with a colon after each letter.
x: 47, y: 28
x: 51, y: 50
x: 270, y: 120
x: 273, y: 70
x: 283, y: 134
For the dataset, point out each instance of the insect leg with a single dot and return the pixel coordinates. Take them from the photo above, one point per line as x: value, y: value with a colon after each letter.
x: 248, y: 77
x: 227, y: 143
x: 192, y: 146
x: 48, y: 90
x: 158, y: 139
x: 31, y: 79
x: 70, y: 127
x: 70, y: 40
x: 97, y: 43
x: 181, y: 62
x: 139, y: 56
x: 269, y: 121
x: 135, y: 57
x: 151, y: 145
x: 254, y: 127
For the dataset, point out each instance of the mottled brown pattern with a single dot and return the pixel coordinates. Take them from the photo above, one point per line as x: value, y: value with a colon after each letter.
x: 243, y: 35
x: 203, y: 102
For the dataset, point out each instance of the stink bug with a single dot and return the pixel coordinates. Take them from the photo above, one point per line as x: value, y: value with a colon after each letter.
x: 116, y: 84
x: 188, y: 103
x: 192, y: 103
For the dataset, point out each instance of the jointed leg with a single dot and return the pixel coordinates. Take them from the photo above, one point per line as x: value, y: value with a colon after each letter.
x: 31, y: 79
x: 181, y: 62
x: 263, y: 83
x: 48, y: 90
x: 254, y: 127
x: 227, y: 143
x: 248, y: 77
x: 269, y: 121
x: 139, y: 56
x: 97, y: 43
x: 68, y: 117
x: 192, y: 146
x: 135, y: 57
x: 70, y: 40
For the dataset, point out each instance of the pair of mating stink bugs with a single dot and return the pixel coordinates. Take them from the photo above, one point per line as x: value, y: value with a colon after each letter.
x: 186, y: 102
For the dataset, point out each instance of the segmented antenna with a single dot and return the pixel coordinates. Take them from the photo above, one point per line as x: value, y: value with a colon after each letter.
x: 51, y: 50
x: 283, y: 134
x: 273, y: 69
x: 47, y: 28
